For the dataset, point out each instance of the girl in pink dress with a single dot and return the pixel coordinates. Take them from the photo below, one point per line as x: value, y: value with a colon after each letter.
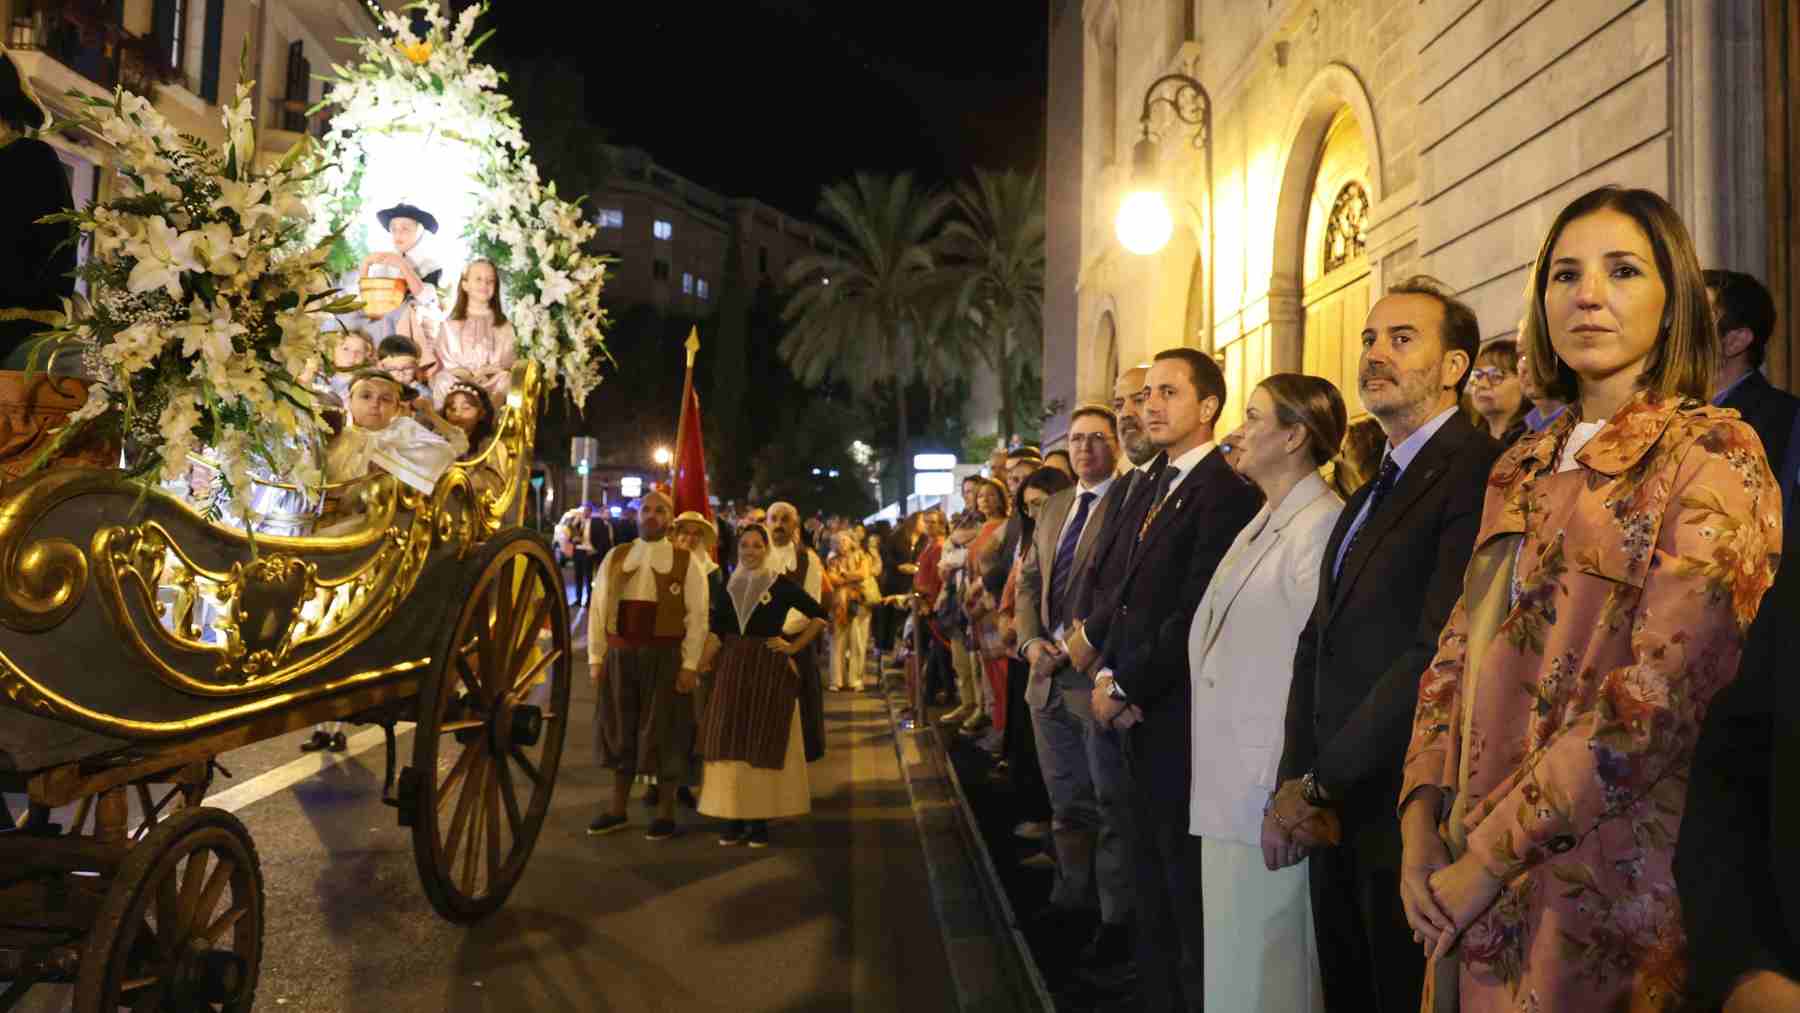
x: 475, y: 344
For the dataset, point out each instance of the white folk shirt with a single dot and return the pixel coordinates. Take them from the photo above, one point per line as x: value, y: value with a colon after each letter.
x: 644, y: 563
x: 785, y: 559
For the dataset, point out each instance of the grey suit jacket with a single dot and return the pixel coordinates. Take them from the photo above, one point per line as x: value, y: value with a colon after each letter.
x: 1031, y: 607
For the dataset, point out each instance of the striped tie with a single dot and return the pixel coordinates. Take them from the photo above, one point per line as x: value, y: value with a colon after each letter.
x: 1064, y: 566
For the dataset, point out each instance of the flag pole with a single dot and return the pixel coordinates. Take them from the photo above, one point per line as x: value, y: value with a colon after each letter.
x: 687, y: 391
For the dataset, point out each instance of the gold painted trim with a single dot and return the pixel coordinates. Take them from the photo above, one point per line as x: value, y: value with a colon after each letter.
x: 30, y: 695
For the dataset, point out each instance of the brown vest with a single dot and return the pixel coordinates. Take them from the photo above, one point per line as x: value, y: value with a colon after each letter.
x: 639, y: 624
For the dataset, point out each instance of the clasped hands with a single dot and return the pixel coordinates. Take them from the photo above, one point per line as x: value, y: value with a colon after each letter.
x: 1442, y: 898
x: 1286, y: 839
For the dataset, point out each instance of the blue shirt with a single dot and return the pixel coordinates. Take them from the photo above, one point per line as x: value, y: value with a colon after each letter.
x: 1536, y: 421
x: 1402, y: 456
x: 1718, y: 400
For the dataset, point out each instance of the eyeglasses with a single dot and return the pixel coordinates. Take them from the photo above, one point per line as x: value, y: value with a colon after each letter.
x: 1491, y: 375
x: 1090, y: 439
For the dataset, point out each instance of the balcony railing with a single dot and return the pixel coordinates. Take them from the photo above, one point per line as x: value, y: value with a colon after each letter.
x: 96, y: 46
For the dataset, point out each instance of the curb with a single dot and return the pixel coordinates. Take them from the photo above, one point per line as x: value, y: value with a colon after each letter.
x: 991, y: 966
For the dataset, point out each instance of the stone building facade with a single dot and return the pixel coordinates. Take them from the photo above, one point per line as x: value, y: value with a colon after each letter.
x: 1358, y: 142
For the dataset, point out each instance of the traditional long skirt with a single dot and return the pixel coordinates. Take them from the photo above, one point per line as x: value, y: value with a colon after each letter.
x: 751, y: 738
x: 643, y: 725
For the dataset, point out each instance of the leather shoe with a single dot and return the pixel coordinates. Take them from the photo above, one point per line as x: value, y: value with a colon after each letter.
x: 1110, y: 946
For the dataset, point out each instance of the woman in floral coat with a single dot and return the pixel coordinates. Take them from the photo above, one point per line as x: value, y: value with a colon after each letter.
x: 1622, y: 554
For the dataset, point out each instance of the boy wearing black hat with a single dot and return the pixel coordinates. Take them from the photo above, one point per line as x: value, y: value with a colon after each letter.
x: 406, y: 225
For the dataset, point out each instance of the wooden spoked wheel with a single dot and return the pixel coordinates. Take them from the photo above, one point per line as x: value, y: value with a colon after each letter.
x: 490, y: 732
x: 181, y: 928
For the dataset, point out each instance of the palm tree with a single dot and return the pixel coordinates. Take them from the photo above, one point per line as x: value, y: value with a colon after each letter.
x: 860, y: 317
x: 997, y: 248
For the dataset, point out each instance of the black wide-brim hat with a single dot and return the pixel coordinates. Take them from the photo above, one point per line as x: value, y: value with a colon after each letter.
x: 404, y: 210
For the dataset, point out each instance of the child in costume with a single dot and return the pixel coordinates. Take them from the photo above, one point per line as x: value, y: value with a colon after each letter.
x: 411, y: 261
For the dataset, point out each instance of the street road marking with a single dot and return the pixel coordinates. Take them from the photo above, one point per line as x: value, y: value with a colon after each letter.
x: 294, y: 771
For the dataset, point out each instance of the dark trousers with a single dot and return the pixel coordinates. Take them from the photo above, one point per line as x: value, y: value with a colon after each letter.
x: 886, y: 626
x: 1019, y: 745
x: 940, y: 675
x: 584, y: 576
x: 1170, y: 954
x: 1367, y: 956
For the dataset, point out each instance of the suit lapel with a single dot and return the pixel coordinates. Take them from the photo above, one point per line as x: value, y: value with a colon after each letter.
x: 1239, y: 575
x: 1049, y: 532
x: 1418, y: 477
x: 1175, y: 499
x: 1096, y: 522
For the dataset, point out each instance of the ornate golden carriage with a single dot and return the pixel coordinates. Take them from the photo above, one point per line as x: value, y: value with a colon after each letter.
x: 138, y: 642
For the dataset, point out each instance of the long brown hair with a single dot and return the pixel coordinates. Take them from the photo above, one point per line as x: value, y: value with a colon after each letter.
x: 1687, y: 352
x: 461, y: 310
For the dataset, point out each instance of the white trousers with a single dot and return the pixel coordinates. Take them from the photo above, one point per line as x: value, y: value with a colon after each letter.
x: 1260, y: 950
x: 850, y: 652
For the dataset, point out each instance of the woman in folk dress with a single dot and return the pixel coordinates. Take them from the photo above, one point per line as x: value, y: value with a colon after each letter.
x: 476, y: 343
x: 750, y: 737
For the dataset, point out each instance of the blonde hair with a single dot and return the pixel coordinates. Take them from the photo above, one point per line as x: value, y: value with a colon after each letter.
x: 1686, y: 353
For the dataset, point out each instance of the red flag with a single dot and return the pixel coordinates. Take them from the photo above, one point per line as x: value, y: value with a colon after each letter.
x: 690, y: 446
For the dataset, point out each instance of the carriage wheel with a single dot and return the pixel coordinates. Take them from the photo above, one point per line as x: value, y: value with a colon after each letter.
x: 490, y: 731
x: 182, y: 925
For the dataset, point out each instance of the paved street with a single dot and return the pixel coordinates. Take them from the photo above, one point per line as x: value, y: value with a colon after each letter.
x: 836, y: 916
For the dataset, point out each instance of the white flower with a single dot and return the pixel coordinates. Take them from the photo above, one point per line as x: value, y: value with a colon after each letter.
x: 162, y: 255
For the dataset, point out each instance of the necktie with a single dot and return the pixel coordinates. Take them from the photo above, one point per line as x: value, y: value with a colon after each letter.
x: 1164, y: 480
x: 1064, y: 565
x: 1384, y: 484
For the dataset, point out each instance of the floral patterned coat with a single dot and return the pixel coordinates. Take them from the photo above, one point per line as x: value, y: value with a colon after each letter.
x: 1634, y: 578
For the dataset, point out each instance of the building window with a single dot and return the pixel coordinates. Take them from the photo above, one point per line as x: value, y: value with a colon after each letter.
x: 703, y: 291
x: 1344, y: 238
x: 762, y: 260
x: 687, y: 283
x: 660, y: 270
x: 610, y: 218
x: 662, y: 229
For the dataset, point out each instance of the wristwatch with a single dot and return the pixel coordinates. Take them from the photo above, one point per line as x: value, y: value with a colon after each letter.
x: 1113, y: 690
x: 1312, y: 793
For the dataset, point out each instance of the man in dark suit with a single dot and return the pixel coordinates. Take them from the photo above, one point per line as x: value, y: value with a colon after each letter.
x: 1746, y: 316
x: 1177, y: 530
x: 1734, y: 863
x: 1392, y: 572
x: 1093, y: 866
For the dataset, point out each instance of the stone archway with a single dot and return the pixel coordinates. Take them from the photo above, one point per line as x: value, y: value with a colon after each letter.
x: 1334, y: 107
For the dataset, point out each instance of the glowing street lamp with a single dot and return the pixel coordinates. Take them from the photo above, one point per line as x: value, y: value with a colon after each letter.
x: 662, y: 455
x: 1144, y: 224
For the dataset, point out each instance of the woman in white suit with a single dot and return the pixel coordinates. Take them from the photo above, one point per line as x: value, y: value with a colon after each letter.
x: 1260, y: 953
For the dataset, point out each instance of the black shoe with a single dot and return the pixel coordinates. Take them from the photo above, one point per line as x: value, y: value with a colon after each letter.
x: 319, y: 740
x: 606, y: 824
x: 734, y: 834
x: 758, y: 837
x: 1110, y: 946
x: 685, y: 796
x: 338, y: 743
x: 652, y: 795
x: 660, y: 830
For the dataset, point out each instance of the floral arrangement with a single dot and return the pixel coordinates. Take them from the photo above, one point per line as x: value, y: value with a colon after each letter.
x: 404, y: 82
x: 206, y: 300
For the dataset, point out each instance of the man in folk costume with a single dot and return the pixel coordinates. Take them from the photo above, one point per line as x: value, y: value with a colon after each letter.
x: 647, y: 624
x: 802, y: 566
x: 410, y: 261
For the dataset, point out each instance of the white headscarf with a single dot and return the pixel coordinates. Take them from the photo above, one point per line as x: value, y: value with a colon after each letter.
x: 747, y: 588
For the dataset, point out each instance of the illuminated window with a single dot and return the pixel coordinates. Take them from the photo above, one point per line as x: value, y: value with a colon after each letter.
x: 610, y: 218
x: 687, y: 283
x: 705, y: 293
x: 662, y: 229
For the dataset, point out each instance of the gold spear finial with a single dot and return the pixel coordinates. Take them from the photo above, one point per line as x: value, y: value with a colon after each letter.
x: 693, y: 345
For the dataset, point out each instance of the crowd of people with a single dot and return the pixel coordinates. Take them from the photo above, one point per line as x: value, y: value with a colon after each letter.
x: 1404, y: 714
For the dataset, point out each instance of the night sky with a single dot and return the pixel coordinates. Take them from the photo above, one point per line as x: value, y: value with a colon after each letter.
x: 773, y: 98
